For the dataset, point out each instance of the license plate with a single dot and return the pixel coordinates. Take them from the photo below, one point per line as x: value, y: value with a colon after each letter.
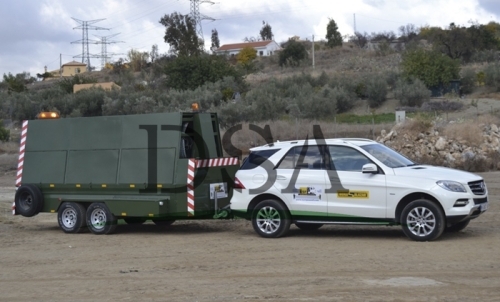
x: 484, y: 207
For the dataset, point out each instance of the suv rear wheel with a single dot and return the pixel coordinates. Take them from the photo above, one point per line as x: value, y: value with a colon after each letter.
x: 271, y: 219
x: 422, y: 220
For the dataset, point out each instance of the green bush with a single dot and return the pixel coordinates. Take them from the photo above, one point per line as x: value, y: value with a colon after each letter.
x: 492, y: 76
x: 376, y: 91
x: 4, y: 133
x: 467, y: 81
x: 411, y: 93
x: 293, y: 54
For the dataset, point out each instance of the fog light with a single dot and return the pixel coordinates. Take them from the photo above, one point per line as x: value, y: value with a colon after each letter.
x: 461, y: 203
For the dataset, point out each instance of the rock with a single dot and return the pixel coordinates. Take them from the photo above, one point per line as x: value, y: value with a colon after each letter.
x: 494, y: 128
x: 440, y: 144
x: 383, y: 133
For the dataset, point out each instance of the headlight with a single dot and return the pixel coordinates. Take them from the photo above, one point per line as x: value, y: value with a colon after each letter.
x: 451, y: 186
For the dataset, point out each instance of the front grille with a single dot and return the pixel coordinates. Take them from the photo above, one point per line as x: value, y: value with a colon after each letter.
x: 477, y: 187
x: 480, y: 200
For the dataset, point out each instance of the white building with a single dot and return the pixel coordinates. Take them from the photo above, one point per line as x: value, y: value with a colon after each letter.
x: 263, y: 48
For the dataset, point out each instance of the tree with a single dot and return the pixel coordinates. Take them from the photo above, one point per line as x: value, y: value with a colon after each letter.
x: 18, y: 82
x: 215, y: 39
x: 188, y: 73
x: 359, y: 39
x: 431, y: 67
x: 153, y: 55
x: 266, y: 33
x: 460, y: 42
x: 181, y: 34
x: 246, y: 56
x: 137, y: 59
x: 408, y: 32
x: 333, y: 36
x: 293, y: 54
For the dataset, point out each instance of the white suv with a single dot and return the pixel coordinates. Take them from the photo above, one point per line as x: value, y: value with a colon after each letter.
x: 352, y: 181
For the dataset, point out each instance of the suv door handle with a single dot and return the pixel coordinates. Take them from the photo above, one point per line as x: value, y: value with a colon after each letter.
x: 280, y: 177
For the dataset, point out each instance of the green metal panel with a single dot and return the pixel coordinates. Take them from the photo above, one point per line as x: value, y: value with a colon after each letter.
x: 135, y: 137
x: 134, y: 166
x: 44, y: 167
x: 92, y: 166
x: 47, y: 135
x: 100, y: 133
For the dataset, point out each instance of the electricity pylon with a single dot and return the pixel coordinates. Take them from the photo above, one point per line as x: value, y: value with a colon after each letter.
x: 85, y: 26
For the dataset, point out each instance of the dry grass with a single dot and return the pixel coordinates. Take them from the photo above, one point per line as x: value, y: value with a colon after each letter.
x: 9, y: 148
x: 468, y: 131
x: 412, y: 127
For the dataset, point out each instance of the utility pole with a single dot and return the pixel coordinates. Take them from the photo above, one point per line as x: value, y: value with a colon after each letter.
x: 313, y: 51
x: 354, y: 23
x: 104, y: 49
x: 85, y: 26
x: 60, y: 65
x: 197, y: 17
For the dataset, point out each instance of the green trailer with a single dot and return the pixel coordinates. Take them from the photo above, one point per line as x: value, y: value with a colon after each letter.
x: 93, y: 171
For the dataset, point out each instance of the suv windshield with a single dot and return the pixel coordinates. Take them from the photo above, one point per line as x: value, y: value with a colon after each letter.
x: 387, y: 156
x: 256, y: 158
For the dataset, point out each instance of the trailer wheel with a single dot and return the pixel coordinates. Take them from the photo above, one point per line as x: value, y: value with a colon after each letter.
x: 134, y: 220
x: 163, y: 222
x: 71, y: 217
x: 28, y: 200
x: 100, y: 220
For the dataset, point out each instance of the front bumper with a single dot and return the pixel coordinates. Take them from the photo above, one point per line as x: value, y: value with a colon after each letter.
x: 480, y: 206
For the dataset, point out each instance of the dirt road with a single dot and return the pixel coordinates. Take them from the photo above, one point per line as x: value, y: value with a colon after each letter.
x: 227, y: 261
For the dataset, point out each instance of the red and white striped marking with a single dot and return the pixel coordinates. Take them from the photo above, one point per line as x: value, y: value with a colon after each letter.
x: 203, y: 163
x: 20, y: 162
x: 190, y: 186
x: 217, y: 162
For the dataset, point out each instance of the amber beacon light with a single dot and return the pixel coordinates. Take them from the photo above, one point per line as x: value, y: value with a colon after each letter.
x: 48, y: 115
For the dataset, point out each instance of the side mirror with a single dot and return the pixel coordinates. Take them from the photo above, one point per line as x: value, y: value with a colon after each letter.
x: 369, y: 168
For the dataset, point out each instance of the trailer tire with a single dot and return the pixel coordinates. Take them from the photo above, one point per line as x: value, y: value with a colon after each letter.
x: 100, y: 220
x: 71, y: 217
x: 28, y: 200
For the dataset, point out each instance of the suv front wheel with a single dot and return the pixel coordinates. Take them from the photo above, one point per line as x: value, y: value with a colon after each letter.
x: 422, y: 220
x: 270, y: 219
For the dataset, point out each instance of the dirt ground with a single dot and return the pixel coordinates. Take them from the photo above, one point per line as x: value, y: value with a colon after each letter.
x: 227, y: 261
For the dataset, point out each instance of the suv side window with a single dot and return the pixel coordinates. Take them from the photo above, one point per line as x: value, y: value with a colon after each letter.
x: 312, y: 159
x: 347, y: 159
x: 256, y: 158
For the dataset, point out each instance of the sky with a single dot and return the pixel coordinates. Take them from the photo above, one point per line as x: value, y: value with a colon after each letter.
x: 39, y: 33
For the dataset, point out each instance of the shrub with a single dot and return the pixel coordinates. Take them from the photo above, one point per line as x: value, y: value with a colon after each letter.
x: 467, y: 81
x: 411, y: 93
x: 293, y: 54
x: 485, y: 56
x: 67, y: 84
x: 188, y: 73
x: 376, y: 91
x: 4, y: 133
x: 492, y: 76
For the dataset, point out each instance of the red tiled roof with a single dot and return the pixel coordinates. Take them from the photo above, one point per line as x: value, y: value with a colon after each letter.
x: 243, y: 45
